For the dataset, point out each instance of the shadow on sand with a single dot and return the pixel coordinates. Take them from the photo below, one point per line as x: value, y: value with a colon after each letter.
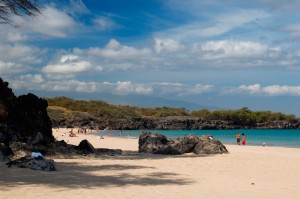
x: 135, y: 155
x: 75, y: 174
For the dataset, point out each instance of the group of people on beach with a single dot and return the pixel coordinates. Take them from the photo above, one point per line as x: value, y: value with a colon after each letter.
x: 240, y: 137
x: 80, y: 130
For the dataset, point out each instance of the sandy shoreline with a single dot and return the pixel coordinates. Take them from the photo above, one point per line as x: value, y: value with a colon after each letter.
x: 247, y: 172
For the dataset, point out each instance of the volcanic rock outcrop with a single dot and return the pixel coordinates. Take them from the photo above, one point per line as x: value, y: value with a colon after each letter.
x: 158, y: 144
x: 38, y: 163
x: 23, y: 119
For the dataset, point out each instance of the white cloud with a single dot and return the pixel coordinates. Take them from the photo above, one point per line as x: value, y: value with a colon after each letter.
x: 229, y: 48
x: 168, y: 45
x: 36, y: 79
x: 115, y: 50
x: 218, y: 24
x: 255, y: 88
x: 13, y: 36
x: 39, y: 82
x: 70, y: 64
x: 173, y: 55
x: 124, y: 88
x: 77, y: 7
x: 272, y: 90
x: 11, y: 68
x: 86, y: 87
x: 67, y: 58
x: 292, y: 29
x: 276, y: 90
x: 114, y: 56
x: 18, y: 53
x: 226, y: 22
x: 52, y: 22
x: 179, y: 89
x: 58, y: 77
x: 199, y: 89
x: 146, y: 90
x: 104, y: 23
x: 28, y: 81
x: 64, y: 86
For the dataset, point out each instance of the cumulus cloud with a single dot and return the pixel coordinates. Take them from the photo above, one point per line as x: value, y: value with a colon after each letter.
x: 171, y: 54
x: 272, y: 90
x: 115, y: 49
x: 179, y: 89
x: 19, y: 53
x: 229, y: 48
x: 52, y: 22
x: 276, y: 90
x: 39, y: 82
x: 124, y: 88
x: 255, y: 88
x: 18, y: 58
x: 116, y: 56
x: 28, y: 81
x: 168, y: 45
x: 12, y: 68
x: 70, y: 64
x: 12, y: 36
x: 237, y: 54
x: 199, y: 89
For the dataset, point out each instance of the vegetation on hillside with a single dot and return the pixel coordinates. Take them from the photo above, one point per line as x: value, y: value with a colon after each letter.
x: 103, y: 109
x: 244, y: 116
x: 62, y: 108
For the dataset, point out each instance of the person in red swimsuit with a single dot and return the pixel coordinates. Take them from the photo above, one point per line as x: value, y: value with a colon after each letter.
x: 243, y: 139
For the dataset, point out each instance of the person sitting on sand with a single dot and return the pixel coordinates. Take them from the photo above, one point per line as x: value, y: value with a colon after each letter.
x: 243, y: 139
x: 71, y: 134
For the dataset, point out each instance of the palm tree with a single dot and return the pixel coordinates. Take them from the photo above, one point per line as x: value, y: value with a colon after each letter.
x: 8, y: 8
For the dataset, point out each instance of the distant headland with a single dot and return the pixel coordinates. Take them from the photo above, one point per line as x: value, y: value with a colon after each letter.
x: 67, y: 112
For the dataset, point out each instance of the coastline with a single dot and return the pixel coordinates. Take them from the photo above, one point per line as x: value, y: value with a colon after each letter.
x: 247, y: 172
x: 255, y: 137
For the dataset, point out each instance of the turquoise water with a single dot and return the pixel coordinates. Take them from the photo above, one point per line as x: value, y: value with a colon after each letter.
x: 285, y: 138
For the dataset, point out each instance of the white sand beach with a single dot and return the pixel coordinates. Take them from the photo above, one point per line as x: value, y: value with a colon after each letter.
x: 246, y: 172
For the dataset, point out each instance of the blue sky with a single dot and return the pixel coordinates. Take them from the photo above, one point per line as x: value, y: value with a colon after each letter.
x: 224, y: 54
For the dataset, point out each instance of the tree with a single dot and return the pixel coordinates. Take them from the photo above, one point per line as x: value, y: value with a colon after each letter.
x: 8, y: 8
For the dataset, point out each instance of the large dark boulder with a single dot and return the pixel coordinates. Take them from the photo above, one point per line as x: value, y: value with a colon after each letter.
x: 152, y: 142
x: 184, y: 144
x: 5, y: 152
x: 23, y: 119
x: 158, y: 144
x: 59, y: 149
x: 85, y: 147
x: 208, y: 145
x: 38, y: 163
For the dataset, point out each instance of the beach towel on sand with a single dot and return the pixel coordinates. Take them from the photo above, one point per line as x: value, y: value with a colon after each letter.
x: 36, y: 155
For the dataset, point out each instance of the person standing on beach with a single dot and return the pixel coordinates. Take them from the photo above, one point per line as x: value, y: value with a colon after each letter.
x: 243, y: 139
x: 238, y: 138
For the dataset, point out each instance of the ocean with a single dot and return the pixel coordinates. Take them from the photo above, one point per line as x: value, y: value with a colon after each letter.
x: 256, y: 137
